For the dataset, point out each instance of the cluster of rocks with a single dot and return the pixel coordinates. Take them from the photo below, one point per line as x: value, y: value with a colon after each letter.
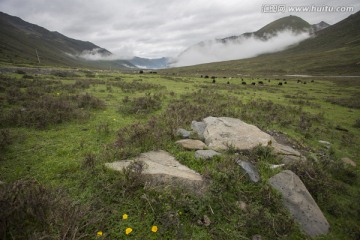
x: 212, y: 136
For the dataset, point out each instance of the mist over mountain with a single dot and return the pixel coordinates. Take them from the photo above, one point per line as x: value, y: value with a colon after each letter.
x: 275, y: 36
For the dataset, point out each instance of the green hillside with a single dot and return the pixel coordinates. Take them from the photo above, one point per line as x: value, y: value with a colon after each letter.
x: 294, y: 23
x: 19, y: 41
x: 333, y: 50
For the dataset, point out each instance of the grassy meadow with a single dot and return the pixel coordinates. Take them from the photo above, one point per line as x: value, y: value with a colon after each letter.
x: 57, y: 129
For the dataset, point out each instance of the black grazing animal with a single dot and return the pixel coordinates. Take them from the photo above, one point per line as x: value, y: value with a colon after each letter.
x: 213, y: 81
x: 298, y: 81
x: 243, y: 83
x: 285, y: 82
x: 312, y: 81
x: 141, y: 71
x: 280, y: 84
x: 253, y: 83
x: 228, y: 82
x: 206, y: 76
x: 260, y: 82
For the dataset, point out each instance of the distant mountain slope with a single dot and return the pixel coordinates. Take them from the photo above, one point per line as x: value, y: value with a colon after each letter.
x: 333, y: 50
x: 282, y: 33
x: 19, y: 41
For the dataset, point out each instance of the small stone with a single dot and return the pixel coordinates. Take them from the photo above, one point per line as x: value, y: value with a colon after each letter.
x: 256, y: 237
x: 205, y: 221
x: 274, y: 166
x: 191, y: 144
x: 242, y: 205
x: 250, y: 170
x: 199, y: 128
x: 325, y: 142
x: 348, y: 161
x: 206, y: 154
x: 183, y: 133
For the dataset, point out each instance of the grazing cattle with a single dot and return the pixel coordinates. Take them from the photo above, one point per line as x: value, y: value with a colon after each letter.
x: 298, y: 81
x: 243, y: 83
x: 213, y: 77
x: 224, y: 77
x: 206, y: 76
x: 201, y: 76
x: 269, y: 80
x: 285, y: 82
x: 312, y: 81
x: 228, y: 82
x: 141, y: 71
x: 260, y: 82
x: 305, y: 82
x: 280, y: 84
x: 253, y: 83
x: 213, y: 81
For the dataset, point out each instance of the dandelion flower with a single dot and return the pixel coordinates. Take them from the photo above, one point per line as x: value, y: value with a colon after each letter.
x: 125, y: 216
x: 128, y: 231
x: 99, y: 233
x: 154, y: 229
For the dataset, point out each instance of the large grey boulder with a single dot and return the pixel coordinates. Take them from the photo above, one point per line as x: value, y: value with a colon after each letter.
x: 206, y: 154
x: 162, y: 169
x: 191, y: 144
x: 222, y: 133
x: 300, y: 203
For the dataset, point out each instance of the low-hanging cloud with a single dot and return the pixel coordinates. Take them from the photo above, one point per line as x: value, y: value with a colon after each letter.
x: 216, y: 51
x: 101, y: 54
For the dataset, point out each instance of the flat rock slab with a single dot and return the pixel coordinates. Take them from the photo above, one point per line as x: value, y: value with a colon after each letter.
x: 162, y: 169
x: 224, y: 132
x: 206, y: 154
x: 300, y: 203
x: 250, y: 170
x: 191, y: 144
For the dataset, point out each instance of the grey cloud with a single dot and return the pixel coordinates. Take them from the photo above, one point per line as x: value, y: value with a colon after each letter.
x: 157, y: 28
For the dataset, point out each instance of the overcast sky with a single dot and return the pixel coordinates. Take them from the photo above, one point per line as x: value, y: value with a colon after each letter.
x: 159, y: 28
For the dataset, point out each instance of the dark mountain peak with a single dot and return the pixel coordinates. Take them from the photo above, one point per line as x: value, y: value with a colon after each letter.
x: 293, y: 23
x: 320, y: 26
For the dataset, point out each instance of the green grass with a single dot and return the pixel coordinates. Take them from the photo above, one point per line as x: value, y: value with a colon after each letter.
x: 71, y: 155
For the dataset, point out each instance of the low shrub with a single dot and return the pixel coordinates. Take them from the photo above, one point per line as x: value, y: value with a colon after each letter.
x: 141, y: 105
x: 32, y: 211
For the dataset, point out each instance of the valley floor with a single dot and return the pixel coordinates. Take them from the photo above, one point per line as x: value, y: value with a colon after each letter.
x: 58, y: 128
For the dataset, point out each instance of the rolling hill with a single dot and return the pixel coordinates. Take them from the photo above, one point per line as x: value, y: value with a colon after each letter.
x: 20, y: 40
x: 333, y: 50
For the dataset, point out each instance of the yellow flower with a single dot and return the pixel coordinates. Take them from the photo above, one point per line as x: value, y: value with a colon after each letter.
x: 128, y: 231
x: 99, y: 233
x: 154, y: 229
x: 125, y: 216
